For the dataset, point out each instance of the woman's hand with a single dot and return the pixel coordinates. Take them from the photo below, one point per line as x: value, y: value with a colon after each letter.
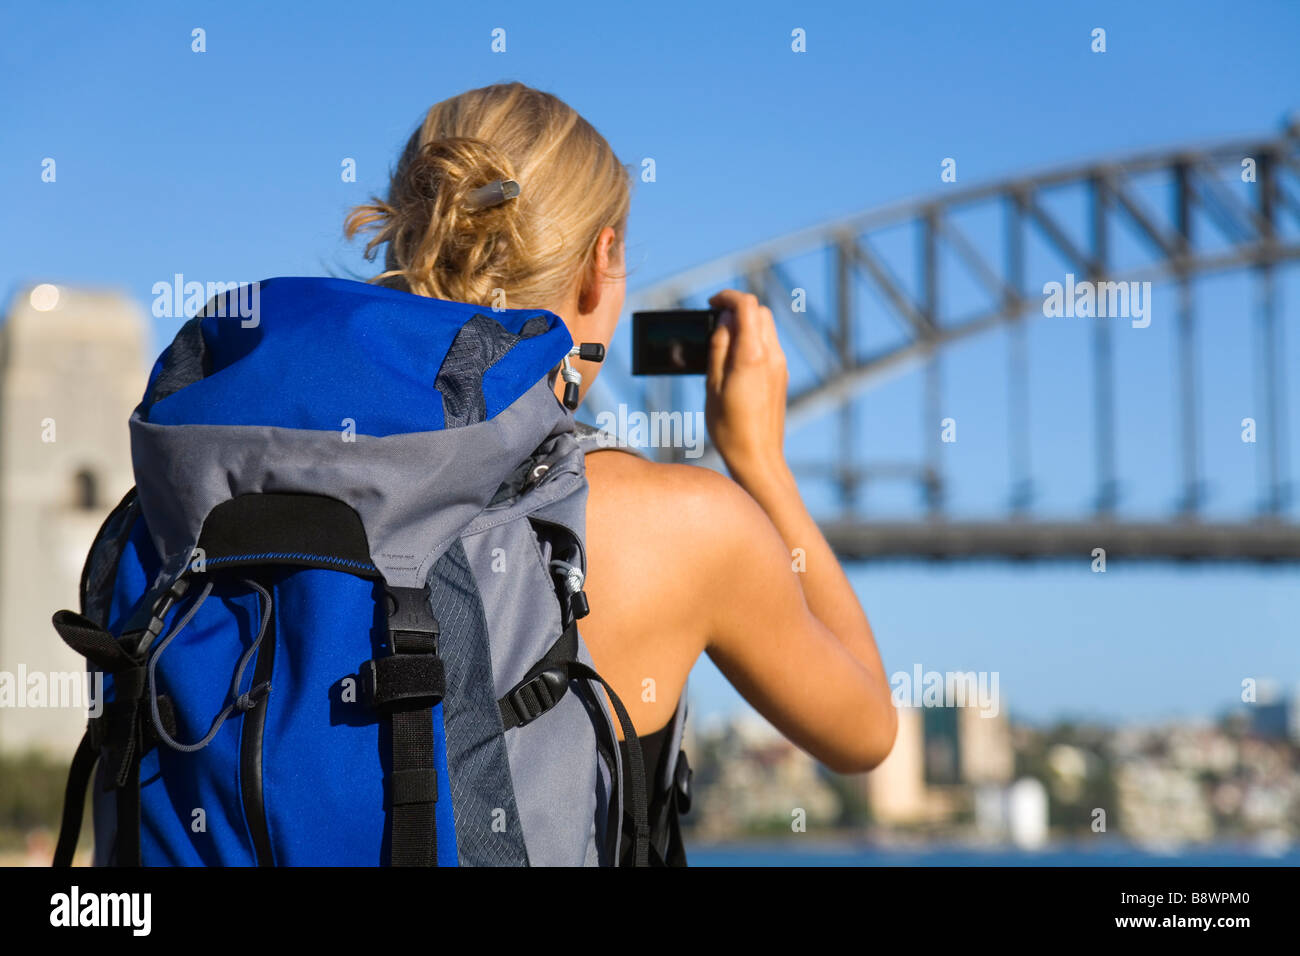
x: 746, y: 389
x: 720, y: 554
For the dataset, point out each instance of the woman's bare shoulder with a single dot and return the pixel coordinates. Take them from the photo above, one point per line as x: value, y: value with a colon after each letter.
x: 660, y: 538
x: 672, y: 500
x: 644, y: 515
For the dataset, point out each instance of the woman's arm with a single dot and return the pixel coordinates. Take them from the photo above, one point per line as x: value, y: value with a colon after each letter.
x: 683, y: 560
x: 796, y: 643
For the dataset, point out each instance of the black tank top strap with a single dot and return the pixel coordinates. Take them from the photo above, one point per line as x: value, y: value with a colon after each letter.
x: 652, y: 748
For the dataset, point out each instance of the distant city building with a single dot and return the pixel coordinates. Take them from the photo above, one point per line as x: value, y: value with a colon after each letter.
x: 759, y: 781
x: 1015, y: 814
x: 1161, y: 805
x: 985, y: 747
x: 939, y: 755
x: 72, y: 367
x: 1026, y: 802
x: 1161, y: 787
x: 896, y: 790
x: 1276, y: 716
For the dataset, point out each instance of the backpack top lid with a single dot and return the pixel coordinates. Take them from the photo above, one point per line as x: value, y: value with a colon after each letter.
x: 310, y: 352
x: 409, y: 409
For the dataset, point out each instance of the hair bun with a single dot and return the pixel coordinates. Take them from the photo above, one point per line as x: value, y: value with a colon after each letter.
x: 449, y: 172
x: 456, y: 224
x: 436, y: 216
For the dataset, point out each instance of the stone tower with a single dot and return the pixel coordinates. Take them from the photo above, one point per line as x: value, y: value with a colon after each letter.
x: 72, y: 367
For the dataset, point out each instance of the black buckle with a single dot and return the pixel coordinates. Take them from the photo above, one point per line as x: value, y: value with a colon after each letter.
x: 409, y: 614
x: 158, y: 613
x: 536, y: 696
x: 410, y: 676
x: 682, y: 774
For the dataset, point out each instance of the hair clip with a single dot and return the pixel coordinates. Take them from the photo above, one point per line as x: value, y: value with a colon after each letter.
x: 493, y: 194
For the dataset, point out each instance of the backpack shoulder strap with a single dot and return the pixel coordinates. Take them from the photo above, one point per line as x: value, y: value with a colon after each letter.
x: 541, y: 689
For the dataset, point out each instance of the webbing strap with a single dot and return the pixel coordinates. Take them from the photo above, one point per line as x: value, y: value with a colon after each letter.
x: 404, y: 687
x: 92, y: 642
x: 82, y: 771
x: 74, y: 799
x: 124, y: 737
x: 635, y: 788
x: 537, y: 693
x: 128, y: 821
x: 413, y: 791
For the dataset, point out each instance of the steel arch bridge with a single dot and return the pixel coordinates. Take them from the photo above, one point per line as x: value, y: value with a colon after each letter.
x: 1168, y: 217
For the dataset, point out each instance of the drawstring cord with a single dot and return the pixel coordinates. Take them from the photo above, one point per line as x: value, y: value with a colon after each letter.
x: 242, y: 702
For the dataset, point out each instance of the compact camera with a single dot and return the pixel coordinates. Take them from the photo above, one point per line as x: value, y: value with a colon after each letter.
x: 672, y: 341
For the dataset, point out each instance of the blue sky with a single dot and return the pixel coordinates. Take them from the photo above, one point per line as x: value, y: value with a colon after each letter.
x: 225, y: 166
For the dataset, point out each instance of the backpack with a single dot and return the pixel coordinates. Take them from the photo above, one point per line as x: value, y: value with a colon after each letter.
x: 336, y: 619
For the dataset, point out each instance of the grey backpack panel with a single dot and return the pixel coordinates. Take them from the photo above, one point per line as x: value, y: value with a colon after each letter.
x: 561, y: 785
x: 488, y: 831
x: 414, y: 492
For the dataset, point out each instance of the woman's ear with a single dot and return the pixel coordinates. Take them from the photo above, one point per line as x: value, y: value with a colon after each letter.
x: 598, y: 270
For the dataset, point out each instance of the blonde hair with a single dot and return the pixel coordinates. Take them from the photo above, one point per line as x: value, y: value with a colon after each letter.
x: 533, y: 247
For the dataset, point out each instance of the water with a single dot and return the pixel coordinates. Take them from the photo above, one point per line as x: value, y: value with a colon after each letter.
x: 785, y: 854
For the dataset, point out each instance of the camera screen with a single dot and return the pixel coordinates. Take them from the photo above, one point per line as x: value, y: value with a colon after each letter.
x: 672, y: 342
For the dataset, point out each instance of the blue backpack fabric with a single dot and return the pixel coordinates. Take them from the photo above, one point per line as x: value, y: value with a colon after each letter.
x: 337, y: 615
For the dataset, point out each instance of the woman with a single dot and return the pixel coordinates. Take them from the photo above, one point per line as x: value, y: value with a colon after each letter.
x: 681, y: 560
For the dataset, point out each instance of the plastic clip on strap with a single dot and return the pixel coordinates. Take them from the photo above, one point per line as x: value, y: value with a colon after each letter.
x: 404, y: 686
x: 542, y: 688
x: 534, y: 697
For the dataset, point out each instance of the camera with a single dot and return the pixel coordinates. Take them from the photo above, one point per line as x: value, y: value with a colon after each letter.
x: 672, y: 341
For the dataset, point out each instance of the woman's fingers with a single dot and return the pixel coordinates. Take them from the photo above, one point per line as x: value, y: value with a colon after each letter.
x: 747, y: 339
x: 719, y: 351
x: 771, y: 347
